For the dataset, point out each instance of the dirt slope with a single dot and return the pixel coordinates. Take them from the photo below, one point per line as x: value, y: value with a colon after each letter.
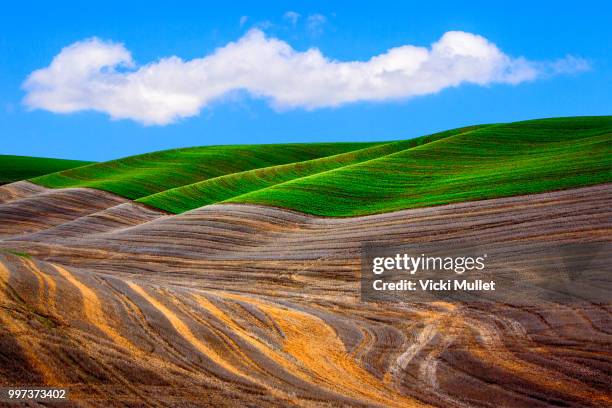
x: 246, y: 305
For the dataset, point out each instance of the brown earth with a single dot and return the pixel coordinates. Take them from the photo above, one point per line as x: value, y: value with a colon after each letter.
x: 239, y: 305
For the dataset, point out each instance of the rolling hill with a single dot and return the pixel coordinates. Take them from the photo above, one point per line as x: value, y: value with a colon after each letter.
x: 138, y: 176
x: 226, y: 187
x: 233, y: 304
x: 494, y: 161
x: 351, y: 179
x: 241, y: 305
x: 15, y: 168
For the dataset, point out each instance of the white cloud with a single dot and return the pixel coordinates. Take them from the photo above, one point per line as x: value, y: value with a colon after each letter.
x: 101, y: 76
x: 315, y: 23
x: 292, y: 16
x: 569, y: 64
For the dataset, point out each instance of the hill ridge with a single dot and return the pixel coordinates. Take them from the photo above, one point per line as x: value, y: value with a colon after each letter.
x: 537, y: 156
x: 348, y: 166
x: 141, y: 175
x: 350, y: 179
x: 177, y: 199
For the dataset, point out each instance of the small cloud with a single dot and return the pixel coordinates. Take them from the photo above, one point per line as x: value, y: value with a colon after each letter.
x: 292, y: 17
x: 568, y: 65
x: 263, y: 25
x: 315, y: 23
x: 243, y: 20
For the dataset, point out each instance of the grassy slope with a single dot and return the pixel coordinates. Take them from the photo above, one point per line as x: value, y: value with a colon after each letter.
x: 16, y: 168
x: 495, y: 161
x: 347, y: 179
x: 138, y: 176
x: 222, y: 188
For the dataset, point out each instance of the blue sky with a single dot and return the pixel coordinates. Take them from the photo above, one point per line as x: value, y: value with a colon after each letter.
x: 272, y: 108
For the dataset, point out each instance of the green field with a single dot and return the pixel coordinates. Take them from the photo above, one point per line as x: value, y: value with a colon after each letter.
x: 494, y: 161
x: 16, y: 168
x: 349, y: 179
x: 139, y: 176
x: 225, y: 187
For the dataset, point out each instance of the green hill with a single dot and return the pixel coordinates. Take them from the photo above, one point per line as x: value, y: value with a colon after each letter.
x: 494, y: 161
x: 225, y: 187
x: 349, y: 179
x: 138, y: 176
x: 16, y: 168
